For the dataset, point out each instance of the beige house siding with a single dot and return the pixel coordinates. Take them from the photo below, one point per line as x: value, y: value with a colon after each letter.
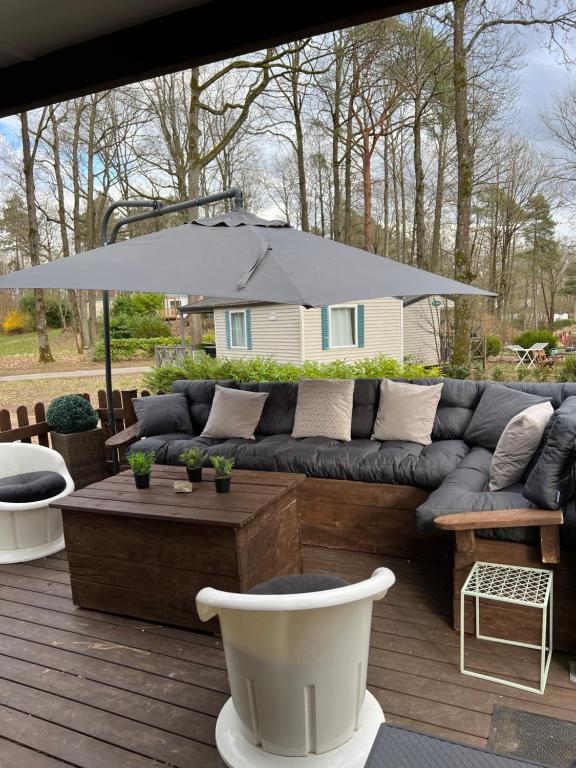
x: 382, y: 332
x: 420, y: 322
x: 279, y: 338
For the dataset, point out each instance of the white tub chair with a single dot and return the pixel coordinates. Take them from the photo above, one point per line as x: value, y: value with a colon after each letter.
x: 31, y: 530
x: 297, y: 666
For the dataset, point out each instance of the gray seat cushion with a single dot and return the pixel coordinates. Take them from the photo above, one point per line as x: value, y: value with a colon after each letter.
x: 28, y: 487
x: 466, y: 490
x: 406, y: 463
x: 298, y: 584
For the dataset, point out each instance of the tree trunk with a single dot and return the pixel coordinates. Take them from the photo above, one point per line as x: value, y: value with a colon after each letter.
x: 44, y: 351
x: 348, y: 176
x: 299, y: 134
x: 419, y: 222
x: 386, y: 238
x: 462, y: 252
x: 194, y: 181
x: 435, y: 250
x: 367, y: 192
x: 336, y: 138
x: 77, y: 220
x: 71, y: 294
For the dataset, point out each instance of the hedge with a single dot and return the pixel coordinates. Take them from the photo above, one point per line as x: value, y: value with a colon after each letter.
x: 527, y: 338
x: 127, y: 349
x: 267, y: 369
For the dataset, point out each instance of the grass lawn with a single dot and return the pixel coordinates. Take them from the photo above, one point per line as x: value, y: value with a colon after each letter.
x: 15, y: 393
x: 27, y: 343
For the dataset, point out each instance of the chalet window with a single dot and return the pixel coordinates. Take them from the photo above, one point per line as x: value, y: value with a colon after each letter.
x: 343, y: 327
x: 238, y: 329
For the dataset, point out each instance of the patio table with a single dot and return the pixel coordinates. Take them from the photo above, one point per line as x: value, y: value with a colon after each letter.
x: 527, y: 355
x: 147, y: 553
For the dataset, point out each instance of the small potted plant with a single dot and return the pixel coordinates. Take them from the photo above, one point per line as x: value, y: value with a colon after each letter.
x: 141, y: 465
x: 192, y: 458
x: 223, y: 469
x: 75, y: 434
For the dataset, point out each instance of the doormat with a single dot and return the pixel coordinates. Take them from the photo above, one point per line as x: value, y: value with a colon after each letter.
x: 533, y: 737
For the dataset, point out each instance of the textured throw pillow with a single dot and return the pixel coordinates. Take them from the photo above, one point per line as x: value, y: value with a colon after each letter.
x: 162, y: 414
x: 550, y: 484
x: 497, y: 406
x: 406, y: 411
x: 234, y: 413
x: 324, y: 409
x: 517, y: 444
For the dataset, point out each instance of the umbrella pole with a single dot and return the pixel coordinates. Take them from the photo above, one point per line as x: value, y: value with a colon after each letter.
x: 157, y: 209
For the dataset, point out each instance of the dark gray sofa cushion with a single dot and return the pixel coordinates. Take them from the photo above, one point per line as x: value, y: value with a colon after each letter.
x: 168, y: 447
x: 497, y: 406
x: 550, y: 482
x: 28, y: 487
x: 465, y: 490
x: 160, y: 414
x: 199, y: 395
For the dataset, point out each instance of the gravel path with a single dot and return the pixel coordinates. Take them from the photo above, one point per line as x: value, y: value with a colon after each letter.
x: 72, y: 374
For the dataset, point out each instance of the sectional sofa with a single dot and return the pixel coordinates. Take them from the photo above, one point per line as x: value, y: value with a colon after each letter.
x: 402, y: 498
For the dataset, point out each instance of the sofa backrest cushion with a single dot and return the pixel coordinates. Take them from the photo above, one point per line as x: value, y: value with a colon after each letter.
x: 200, y: 394
x: 549, y: 483
x: 498, y: 405
x: 162, y: 413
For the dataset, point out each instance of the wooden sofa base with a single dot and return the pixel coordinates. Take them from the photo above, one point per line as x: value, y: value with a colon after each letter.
x: 377, y: 518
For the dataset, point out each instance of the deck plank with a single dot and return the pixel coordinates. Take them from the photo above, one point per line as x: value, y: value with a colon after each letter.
x: 85, y: 689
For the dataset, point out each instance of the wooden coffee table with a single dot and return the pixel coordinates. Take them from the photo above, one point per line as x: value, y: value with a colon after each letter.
x: 146, y: 553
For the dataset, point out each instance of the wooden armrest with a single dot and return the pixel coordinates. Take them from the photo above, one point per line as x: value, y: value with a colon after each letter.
x: 126, y: 437
x: 499, y: 518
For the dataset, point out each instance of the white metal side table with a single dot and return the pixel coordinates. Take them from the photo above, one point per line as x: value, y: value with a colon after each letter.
x: 515, y: 585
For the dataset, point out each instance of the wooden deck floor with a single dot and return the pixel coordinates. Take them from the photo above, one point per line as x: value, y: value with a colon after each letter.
x: 86, y: 689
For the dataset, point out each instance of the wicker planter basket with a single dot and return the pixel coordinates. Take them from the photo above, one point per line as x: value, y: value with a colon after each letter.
x: 84, y: 455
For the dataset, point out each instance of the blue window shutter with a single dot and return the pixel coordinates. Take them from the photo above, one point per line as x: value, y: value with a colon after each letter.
x: 360, y: 325
x: 248, y: 329
x: 228, y: 335
x: 325, y: 331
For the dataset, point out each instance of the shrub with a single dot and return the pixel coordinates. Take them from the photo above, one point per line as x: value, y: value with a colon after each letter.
x: 148, y: 327
x: 14, y: 322
x: 567, y: 370
x: 209, y: 338
x: 55, y: 310
x: 128, y: 349
x: 192, y: 458
x: 71, y: 413
x: 493, y: 345
x: 267, y: 369
x: 137, y: 304
x: 527, y: 338
x: 141, y: 462
x: 222, y: 466
x: 455, y: 371
x: 497, y: 374
x: 559, y: 324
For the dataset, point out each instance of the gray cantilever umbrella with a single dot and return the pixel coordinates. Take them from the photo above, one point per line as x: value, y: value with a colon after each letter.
x: 236, y: 255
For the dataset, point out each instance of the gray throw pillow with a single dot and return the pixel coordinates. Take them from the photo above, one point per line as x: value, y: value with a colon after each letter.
x: 159, y: 414
x: 497, y: 406
x: 234, y: 413
x: 324, y: 409
x: 518, y: 444
x: 406, y: 411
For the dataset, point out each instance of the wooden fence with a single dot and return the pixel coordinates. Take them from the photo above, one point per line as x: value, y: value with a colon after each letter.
x: 34, y: 427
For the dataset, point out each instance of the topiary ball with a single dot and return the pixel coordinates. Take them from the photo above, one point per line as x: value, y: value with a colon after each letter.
x: 71, y: 413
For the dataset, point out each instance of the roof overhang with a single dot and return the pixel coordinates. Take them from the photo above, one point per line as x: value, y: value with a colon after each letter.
x: 51, y: 52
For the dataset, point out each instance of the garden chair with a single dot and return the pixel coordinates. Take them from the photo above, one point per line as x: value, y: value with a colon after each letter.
x: 31, y: 478
x: 297, y: 656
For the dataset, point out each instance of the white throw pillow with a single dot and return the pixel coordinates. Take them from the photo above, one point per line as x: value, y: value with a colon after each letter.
x: 324, y: 408
x: 517, y: 444
x: 406, y: 411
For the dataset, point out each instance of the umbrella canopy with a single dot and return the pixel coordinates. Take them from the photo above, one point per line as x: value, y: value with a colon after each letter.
x: 239, y: 256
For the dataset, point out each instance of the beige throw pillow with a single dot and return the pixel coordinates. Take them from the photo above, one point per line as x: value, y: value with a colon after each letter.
x: 406, y: 411
x: 234, y: 413
x: 324, y: 408
x: 517, y: 445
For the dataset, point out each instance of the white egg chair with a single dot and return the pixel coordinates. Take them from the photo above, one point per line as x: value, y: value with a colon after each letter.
x: 297, y: 665
x: 32, y: 529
